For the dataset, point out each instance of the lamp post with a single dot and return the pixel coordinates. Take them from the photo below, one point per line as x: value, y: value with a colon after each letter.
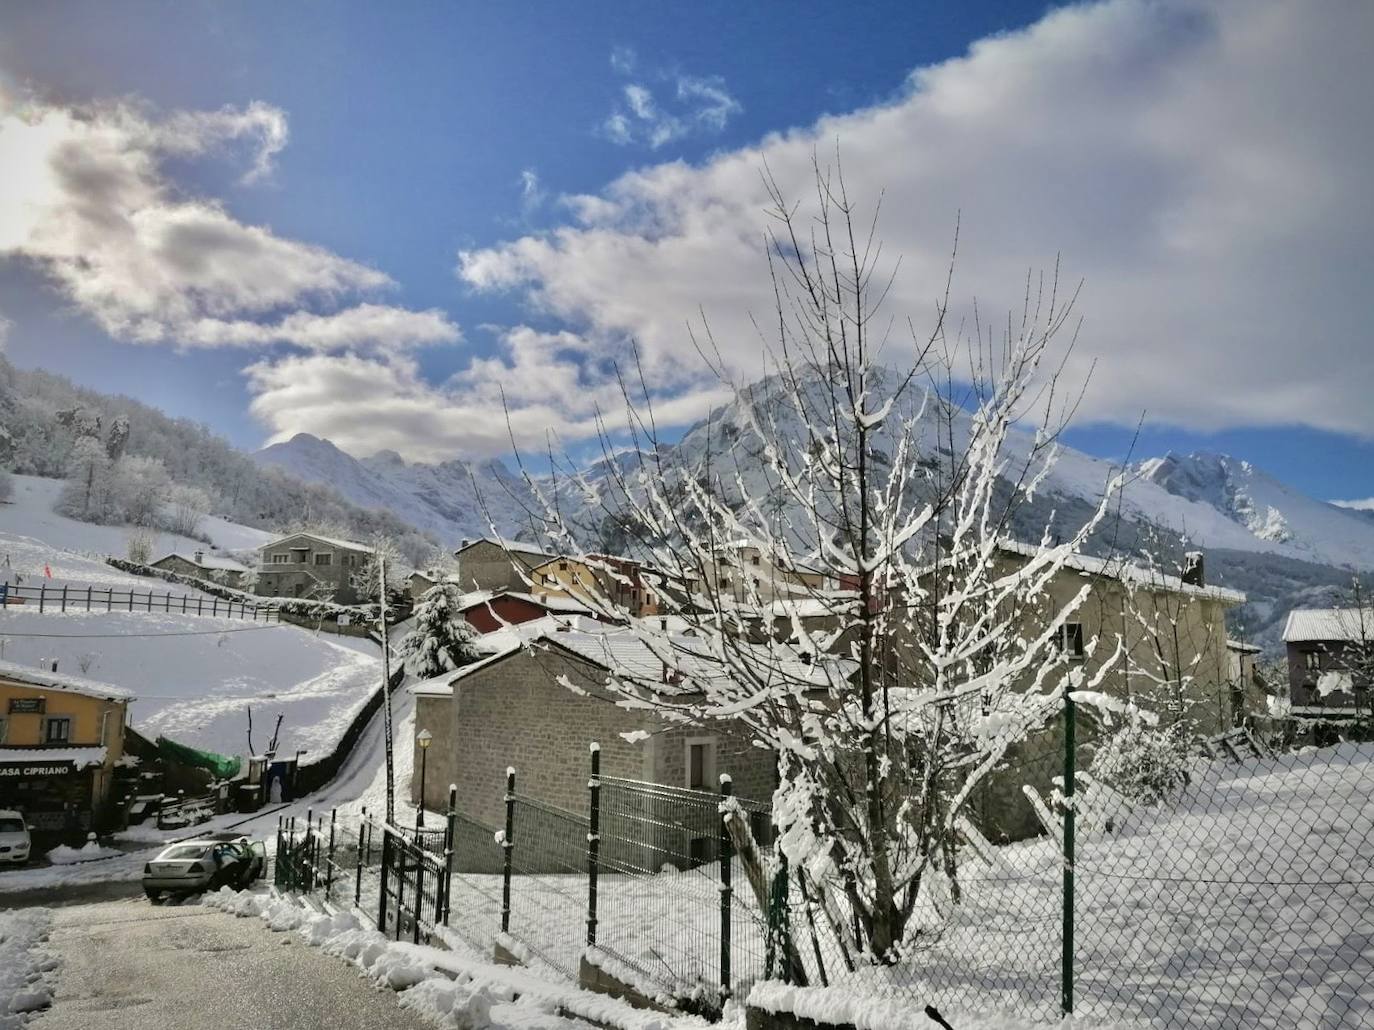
x: 424, y: 738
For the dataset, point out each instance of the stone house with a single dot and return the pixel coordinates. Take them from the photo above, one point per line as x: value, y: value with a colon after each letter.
x: 215, y: 567
x: 516, y: 709
x: 1330, y: 666
x: 1161, y: 645
x: 309, y: 565
x: 497, y: 565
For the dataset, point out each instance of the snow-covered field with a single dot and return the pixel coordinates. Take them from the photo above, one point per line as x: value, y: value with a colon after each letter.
x: 194, y: 678
x: 29, y: 514
x: 27, y: 970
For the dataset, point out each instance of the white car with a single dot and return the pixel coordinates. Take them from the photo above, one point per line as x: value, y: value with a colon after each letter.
x: 14, y: 837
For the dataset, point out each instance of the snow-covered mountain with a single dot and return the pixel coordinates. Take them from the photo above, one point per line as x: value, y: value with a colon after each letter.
x: 1279, y: 517
x: 453, y: 499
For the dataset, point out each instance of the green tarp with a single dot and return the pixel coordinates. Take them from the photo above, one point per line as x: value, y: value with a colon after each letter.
x: 223, y: 767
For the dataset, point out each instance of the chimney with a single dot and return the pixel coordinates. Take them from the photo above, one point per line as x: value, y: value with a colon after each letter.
x: 1192, y: 569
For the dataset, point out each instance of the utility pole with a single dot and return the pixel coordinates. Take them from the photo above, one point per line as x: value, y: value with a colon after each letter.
x: 386, y: 690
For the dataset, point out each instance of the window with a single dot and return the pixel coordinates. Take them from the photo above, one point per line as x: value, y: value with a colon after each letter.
x: 57, y: 730
x: 1070, y: 639
x: 1314, y: 660
x: 701, y: 764
x: 754, y: 560
x: 324, y: 559
x: 280, y: 559
x: 562, y: 566
x: 2, y: 731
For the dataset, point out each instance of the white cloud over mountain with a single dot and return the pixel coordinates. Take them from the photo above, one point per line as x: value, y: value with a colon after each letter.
x: 1202, y: 165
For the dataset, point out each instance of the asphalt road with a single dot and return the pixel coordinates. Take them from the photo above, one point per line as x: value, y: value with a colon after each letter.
x: 130, y: 965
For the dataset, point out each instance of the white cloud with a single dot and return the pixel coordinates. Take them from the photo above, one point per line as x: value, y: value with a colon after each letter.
x: 1202, y: 165
x: 88, y: 203
x: 551, y: 383
x: 1363, y: 504
x: 623, y: 60
x: 699, y: 104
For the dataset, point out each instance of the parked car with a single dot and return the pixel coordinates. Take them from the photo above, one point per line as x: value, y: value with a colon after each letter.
x: 204, y: 864
x: 15, y: 841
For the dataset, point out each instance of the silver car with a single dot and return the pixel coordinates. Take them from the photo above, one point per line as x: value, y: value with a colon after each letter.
x: 204, y: 864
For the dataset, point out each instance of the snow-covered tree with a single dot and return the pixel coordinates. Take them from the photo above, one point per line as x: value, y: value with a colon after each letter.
x: 440, y: 639
x: 187, y: 507
x: 836, y: 552
x: 138, y: 488
x: 364, y: 577
x: 118, y: 438
x: 86, y: 493
x: 139, y: 547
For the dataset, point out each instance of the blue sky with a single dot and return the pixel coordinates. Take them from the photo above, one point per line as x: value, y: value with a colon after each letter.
x: 513, y: 190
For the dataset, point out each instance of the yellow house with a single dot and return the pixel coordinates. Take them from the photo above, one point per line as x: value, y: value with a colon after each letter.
x: 60, y: 739
x: 601, y: 581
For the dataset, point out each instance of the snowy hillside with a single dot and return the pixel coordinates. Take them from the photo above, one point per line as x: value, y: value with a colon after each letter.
x: 445, y: 499
x: 29, y: 514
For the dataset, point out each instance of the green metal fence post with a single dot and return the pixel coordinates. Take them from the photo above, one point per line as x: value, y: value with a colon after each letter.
x: 727, y: 789
x: 1070, y: 745
x: 507, y: 844
x: 593, y: 842
x: 358, y: 871
x: 329, y: 869
x: 381, y: 894
x: 449, y: 830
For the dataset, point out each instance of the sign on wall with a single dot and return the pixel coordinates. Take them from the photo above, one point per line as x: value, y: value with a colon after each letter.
x: 28, y: 705
x: 37, y: 769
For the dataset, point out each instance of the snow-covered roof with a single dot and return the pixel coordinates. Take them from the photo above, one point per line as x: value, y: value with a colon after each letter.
x: 1313, y: 625
x: 349, y: 545
x: 626, y: 653
x: 62, y: 681
x: 1129, y: 573
x: 436, y: 686
x: 207, y: 561
x: 1241, y: 647
x: 81, y: 757
x: 514, y: 546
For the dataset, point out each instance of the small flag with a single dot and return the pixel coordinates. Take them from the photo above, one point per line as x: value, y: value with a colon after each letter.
x: 47, y: 571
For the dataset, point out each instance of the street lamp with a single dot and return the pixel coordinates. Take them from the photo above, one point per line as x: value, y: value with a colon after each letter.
x: 424, y: 738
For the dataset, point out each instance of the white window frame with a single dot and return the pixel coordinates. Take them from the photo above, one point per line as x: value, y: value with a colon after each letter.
x: 48, y: 720
x: 709, y: 778
x: 278, y: 558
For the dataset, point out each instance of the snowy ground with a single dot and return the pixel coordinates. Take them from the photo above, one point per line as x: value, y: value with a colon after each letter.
x: 27, y: 971
x: 195, y: 677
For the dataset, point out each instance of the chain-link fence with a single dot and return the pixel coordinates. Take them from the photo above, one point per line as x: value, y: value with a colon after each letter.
x: 1222, y: 886
x: 1231, y: 889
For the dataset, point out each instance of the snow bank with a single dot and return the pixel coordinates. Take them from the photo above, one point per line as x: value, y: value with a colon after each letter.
x: 88, y: 852
x: 27, y: 970
x: 448, y: 988
x: 862, y: 1010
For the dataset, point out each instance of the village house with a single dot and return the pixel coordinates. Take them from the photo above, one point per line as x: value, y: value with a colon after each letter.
x: 61, y: 739
x: 539, y: 703
x: 1330, y: 667
x: 602, y: 581
x: 486, y: 564
x: 488, y: 612
x: 313, y: 566
x: 214, y: 567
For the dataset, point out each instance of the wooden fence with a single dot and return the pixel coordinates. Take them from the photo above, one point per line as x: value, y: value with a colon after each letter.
x: 68, y: 598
